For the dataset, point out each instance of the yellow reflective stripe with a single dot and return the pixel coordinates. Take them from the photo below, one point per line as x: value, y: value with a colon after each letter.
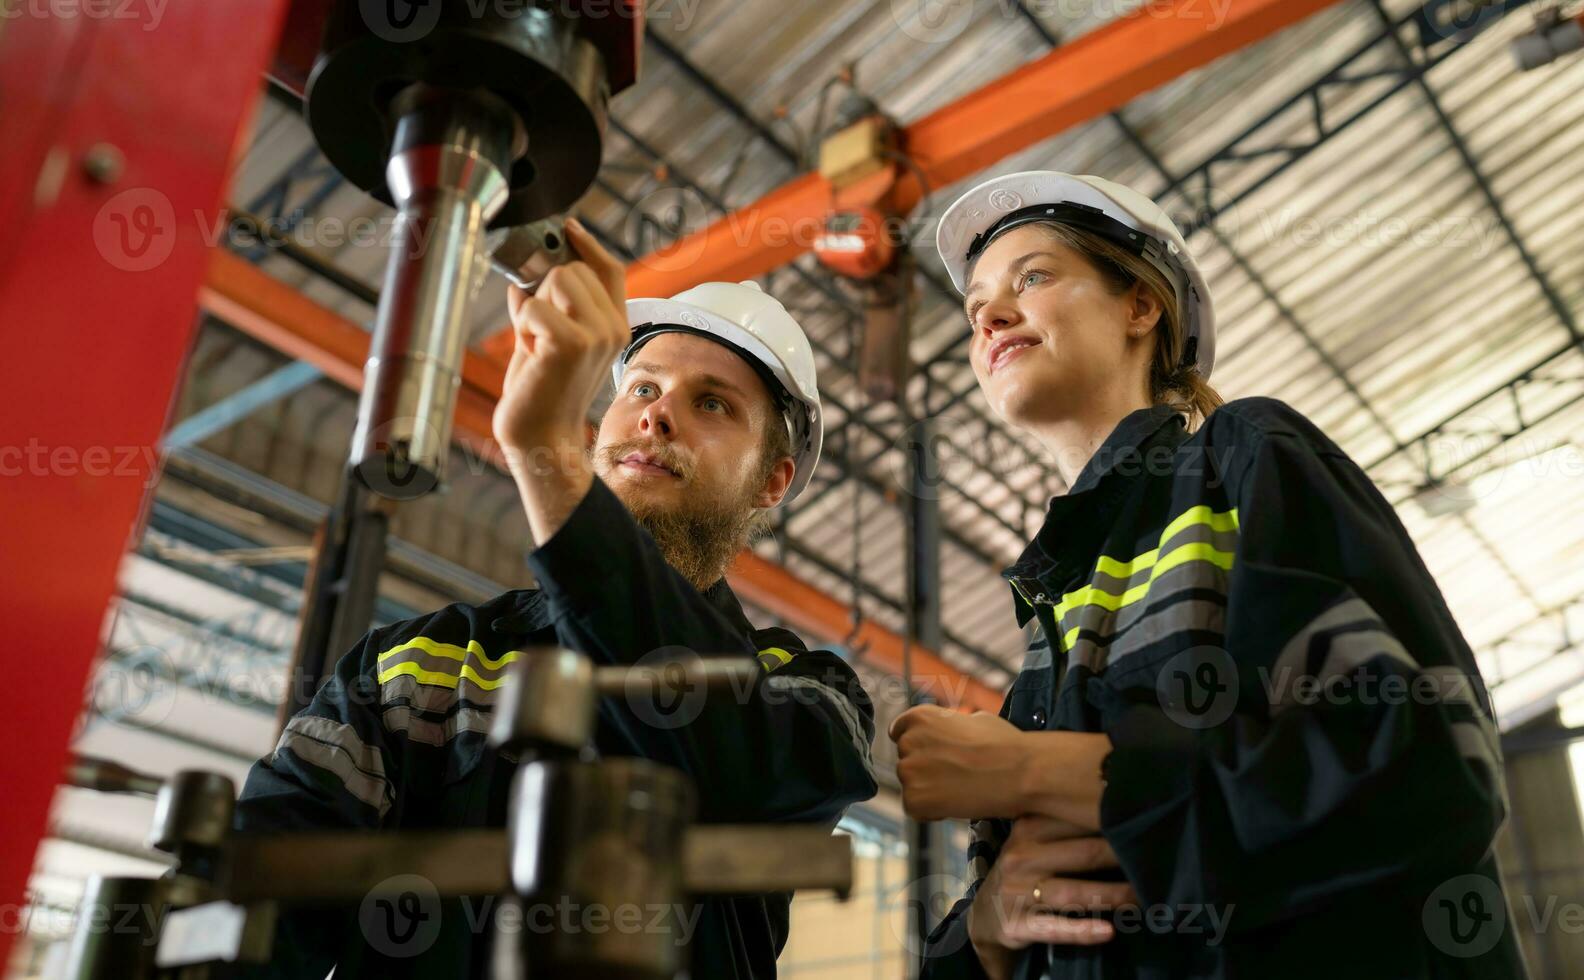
x: 451, y: 651
x: 1092, y: 595
x: 777, y: 653
x: 1197, y: 551
x: 1202, y: 514
x: 1125, y: 569
x: 440, y: 678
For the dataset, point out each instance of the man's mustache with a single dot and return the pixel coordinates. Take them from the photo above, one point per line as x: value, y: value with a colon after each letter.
x: 668, y: 456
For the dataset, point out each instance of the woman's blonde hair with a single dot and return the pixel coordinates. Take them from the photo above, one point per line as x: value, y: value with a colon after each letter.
x: 1171, y: 381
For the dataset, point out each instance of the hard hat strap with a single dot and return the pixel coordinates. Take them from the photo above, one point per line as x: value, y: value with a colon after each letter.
x: 1077, y: 215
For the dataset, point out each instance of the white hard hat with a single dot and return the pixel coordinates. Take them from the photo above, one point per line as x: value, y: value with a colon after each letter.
x: 759, y: 329
x: 1118, y: 214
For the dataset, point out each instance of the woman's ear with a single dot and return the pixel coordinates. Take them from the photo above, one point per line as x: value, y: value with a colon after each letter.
x: 1144, y: 309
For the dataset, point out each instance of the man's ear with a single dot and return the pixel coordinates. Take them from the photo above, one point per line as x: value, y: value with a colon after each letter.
x: 775, y: 486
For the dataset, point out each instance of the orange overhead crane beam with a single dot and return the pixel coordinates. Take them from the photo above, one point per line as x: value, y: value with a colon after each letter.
x: 1072, y: 84
x: 238, y: 292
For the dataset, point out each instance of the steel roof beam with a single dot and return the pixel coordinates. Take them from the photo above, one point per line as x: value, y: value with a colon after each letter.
x: 1492, y: 200
x: 1101, y: 71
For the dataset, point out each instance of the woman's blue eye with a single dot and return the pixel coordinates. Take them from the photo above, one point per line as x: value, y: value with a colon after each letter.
x: 1030, y: 275
x: 638, y: 389
x: 720, y: 405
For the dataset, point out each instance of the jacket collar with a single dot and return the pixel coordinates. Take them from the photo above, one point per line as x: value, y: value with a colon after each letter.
x: 527, y: 610
x: 1077, y: 522
x: 721, y: 596
x: 1137, y: 432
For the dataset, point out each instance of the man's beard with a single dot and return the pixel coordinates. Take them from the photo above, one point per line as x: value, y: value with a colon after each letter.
x: 698, y: 535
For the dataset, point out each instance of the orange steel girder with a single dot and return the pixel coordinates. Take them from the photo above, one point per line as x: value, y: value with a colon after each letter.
x: 1072, y: 84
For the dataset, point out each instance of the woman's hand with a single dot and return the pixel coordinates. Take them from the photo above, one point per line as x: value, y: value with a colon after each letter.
x: 966, y: 766
x: 1028, y: 897
x: 957, y: 765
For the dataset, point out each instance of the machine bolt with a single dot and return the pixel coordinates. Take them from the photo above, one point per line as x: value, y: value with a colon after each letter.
x: 104, y: 163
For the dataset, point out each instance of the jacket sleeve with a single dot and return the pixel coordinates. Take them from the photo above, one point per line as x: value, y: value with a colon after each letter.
x: 794, y: 745
x: 1359, y: 750
x: 333, y: 769
x: 948, y: 953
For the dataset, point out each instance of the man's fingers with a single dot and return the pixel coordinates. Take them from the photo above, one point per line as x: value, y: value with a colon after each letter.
x: 600, y: 305
x: 516, y: 296
x: 547, y: 327
x: 576, y: 290
x: 1058, y: 930
x: 611, y: 272
x: 571, y: 293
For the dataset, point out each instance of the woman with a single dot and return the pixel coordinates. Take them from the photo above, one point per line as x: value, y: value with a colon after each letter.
x: 1248, y: 739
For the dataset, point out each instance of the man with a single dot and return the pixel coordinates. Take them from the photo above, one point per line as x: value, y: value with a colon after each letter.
x: 715, y: 421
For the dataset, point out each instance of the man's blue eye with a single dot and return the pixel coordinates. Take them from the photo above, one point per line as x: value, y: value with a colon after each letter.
x: 638, y: 389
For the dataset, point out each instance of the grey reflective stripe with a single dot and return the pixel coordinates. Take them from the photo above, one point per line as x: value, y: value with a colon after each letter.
x: 429, y: 697
x: 336, y: 748
x: 402, y: 720
x: 844, y: 709
x: 1294, y: 657
x: 1102, y: 622
x: 1205, y: 615
x: 1345, y: 652
x: 1038, y: 655
x: 1151, y: 618
x: 1475, y: 740
x: 1351, y: 650
x: 1456, y: 687
x: 402, y: 697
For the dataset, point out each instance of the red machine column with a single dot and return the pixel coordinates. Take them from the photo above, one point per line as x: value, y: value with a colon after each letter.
x: 118, y: 142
